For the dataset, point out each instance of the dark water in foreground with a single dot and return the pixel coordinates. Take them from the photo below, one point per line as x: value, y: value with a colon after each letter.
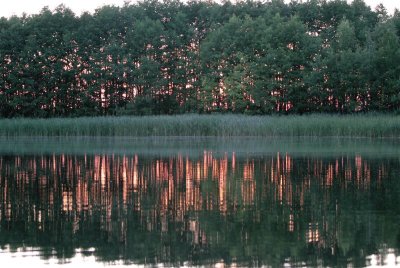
x: 201, y: 203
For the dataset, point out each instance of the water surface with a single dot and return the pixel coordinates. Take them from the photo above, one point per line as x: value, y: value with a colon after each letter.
x: 190, y: 202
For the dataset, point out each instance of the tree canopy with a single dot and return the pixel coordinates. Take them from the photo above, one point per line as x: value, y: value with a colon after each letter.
x: 172, y: 57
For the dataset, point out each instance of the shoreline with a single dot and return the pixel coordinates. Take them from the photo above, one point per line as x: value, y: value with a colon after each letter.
x: 197, y: 146
x: 219, y: 125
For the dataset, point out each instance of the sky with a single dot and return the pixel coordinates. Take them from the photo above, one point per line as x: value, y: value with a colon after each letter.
x: 17, y: 7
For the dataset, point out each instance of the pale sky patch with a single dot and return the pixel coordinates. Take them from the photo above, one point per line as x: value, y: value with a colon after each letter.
x: 17, y: 7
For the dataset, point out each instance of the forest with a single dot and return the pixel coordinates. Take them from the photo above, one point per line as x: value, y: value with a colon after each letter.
x: 175, y: 57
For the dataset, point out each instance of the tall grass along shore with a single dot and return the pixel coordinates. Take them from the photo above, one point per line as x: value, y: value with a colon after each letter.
x: 207, y: 125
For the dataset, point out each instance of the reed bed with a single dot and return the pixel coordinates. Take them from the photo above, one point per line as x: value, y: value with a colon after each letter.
x: 208, y: 125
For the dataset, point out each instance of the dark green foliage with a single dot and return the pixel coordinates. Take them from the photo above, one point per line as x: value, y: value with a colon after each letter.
x: 173, y: 57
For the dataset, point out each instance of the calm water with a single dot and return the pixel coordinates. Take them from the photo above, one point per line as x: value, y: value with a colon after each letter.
x: 200, y: 202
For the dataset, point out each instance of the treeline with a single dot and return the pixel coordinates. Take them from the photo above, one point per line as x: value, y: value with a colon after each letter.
x: 173, y: 57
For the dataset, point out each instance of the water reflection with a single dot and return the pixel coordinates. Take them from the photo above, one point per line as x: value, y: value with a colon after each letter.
x: 245, y: 210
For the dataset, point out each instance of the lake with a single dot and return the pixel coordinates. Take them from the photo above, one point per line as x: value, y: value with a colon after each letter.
x: 200, y: 201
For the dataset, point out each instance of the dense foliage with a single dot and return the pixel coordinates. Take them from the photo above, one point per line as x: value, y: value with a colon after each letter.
x: 174, y: 57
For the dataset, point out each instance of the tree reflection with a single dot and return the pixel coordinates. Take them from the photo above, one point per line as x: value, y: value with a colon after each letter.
x: 249, y: 210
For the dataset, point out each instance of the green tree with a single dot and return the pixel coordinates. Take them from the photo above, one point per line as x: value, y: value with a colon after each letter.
x: 385, y: 86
